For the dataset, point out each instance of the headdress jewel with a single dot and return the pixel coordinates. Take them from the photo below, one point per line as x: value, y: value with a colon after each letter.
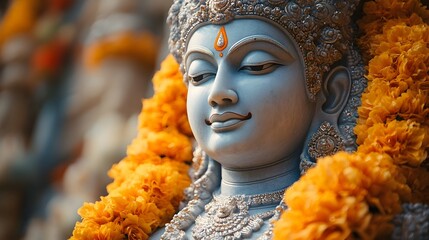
x: 320, y: 27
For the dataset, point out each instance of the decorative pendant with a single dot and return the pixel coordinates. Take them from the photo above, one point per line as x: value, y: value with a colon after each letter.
x: 326, y: 141
x: 228, y: 218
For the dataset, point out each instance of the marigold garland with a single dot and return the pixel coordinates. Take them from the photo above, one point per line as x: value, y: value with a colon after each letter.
x: 340, y: 199
x: 148, y: 184
x: 355, y: 196
x: 394, y: 116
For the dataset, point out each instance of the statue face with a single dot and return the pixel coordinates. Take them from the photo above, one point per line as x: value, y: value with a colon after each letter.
x: 247, y: 101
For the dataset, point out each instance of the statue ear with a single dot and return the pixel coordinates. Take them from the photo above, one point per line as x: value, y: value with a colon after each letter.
x: 323, y: 137
x: 336, y: 91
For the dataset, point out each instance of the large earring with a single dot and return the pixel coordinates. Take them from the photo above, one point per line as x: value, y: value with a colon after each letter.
x: 326, y: 141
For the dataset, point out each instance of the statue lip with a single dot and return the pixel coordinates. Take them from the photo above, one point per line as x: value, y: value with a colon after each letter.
x: 226, y: 121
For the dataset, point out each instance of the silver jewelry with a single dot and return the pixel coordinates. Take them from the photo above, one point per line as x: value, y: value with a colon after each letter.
x: 268, y: 235
x: 320, y: 28
x: 266, y: 198
x: 198, y: 194
x: 227, y: 217
x: 326, y: 141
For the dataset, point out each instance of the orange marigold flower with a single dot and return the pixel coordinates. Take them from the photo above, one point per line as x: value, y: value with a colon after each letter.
x: 88, y: 230
x: 342, y: 197
x: 414, y: 62
x: 108, y: 231
x: 414, y: 106
x: 145, y: 200
x: 131, y: 228
x: 100, y: 212
x: 169, y: 144
x: 159, y: 185
x: 380, y: 15
x: 405, y: 141
x: 418, y: 180
x: 148, y: 184
x: 390, y: 9
x: 382, y: 67
x: 167, y: 108
x: 381, y: 105
x: 355, y: 196
x: 398, y: 37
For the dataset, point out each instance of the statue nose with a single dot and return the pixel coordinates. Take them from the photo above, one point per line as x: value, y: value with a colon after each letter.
x: 222, y: 92
x: 222, y: 97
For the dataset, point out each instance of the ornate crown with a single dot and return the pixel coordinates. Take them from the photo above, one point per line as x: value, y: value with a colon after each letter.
x: 320, y: 27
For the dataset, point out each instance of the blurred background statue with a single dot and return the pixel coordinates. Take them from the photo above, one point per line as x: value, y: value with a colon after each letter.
x: 73, y: 76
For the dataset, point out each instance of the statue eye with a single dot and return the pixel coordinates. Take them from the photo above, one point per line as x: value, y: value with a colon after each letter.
x: 260, y: 68
x: 198, y: 79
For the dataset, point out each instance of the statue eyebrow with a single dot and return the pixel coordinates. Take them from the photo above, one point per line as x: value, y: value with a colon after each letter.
x: 257, y: 38
x: 198, y: 49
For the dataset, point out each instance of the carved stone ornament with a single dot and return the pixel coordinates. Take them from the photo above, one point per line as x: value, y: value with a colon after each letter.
x: 326, y: 141
x: 225, y: 217
x: 228, y: 218
x: 320, y: 27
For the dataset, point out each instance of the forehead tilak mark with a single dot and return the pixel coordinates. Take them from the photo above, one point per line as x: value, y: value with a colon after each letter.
x: 221, y: 41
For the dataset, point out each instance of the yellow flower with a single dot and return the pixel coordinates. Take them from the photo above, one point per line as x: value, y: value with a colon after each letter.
x: 390, y: 9
x: 382, y: 67
x: 414, y: 62
x: 131, y: 228
x: 100, y: 212
x: 167, y: 108
x: 169, y: 144
x: 394, y: 116
x: 145, y: 200
x: 148, y: 184
x: 159, y: 187
x: 398, y: 36
x: 345, y: 196
x: 418, y: 180
x: 89, y: 230
x: 380, y: 15
x: 109, y: 231
x: 402, y: 50
x: 414, y: 106
x: 405, y: 141
x: 377, y: 108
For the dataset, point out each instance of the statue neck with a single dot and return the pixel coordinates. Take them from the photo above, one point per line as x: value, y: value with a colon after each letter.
x: 264, y: 179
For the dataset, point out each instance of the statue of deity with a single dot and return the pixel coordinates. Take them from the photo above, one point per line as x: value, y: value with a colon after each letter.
x: 272, y: 86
